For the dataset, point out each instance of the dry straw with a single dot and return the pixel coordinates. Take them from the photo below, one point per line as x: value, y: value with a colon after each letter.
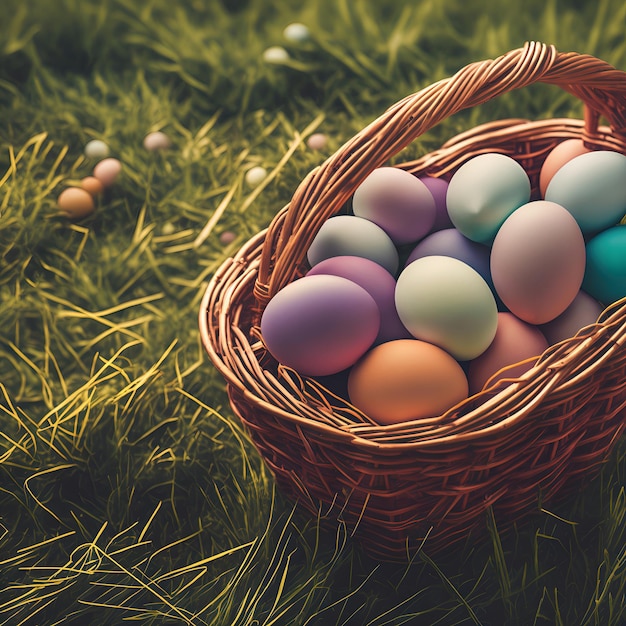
x: 521, y: 443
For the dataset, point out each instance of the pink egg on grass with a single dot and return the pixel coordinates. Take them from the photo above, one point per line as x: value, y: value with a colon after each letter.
x: 377, y: 281
x: 320, y: 325
x: 107, y: 171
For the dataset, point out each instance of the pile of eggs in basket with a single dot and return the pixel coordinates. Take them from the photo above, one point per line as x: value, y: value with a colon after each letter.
x: 425, y: 289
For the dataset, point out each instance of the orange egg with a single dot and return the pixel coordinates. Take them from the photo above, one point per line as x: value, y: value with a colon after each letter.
x: 559, y: 156
x: 515, y: 341
x: 75, y: 203
x: 406, y: 379
x: 92, y: 185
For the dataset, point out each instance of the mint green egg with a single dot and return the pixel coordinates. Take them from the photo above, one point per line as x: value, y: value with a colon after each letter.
x: 605, y: 272
x: 483, y: 192
x: 592, y: 187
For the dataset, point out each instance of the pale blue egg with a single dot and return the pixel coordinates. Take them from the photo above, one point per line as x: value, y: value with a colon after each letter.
x: 592, y: 187
x: 483, y: 192
x: 349, y: 235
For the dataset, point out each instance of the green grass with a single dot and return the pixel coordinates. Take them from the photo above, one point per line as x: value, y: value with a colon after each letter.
x: 128, y: 491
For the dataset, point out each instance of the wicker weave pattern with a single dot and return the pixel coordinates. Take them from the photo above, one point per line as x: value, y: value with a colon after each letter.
x: 537, y: 437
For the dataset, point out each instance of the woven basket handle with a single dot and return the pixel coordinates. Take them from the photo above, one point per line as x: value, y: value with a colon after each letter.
x: 601, y: 87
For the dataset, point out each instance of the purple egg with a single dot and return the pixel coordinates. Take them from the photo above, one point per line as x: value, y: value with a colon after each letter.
x: 438, y: 187
x: 378, y: 282
x: 584, y: 310
x: 320, y: 325
x: 398, y: 202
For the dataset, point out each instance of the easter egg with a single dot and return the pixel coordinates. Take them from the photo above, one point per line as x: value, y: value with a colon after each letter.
x: 398, y: 202
x: 107, y: 171
x: 450, y: 242
x: 320, y: 325
x: 592, y: 187
x: 275, y: 54
x: 156, y: 140
x: 557, y: 157
x: 317, y: 141
x: 439, y: 188
x: 377, y: 281
x: 605, y: 273
x: 483, y: 192
x: 514, y: 341
x: 538, y: 261
x: 255, y: 175
x: 296, y: 32
x: 92, y: 185
x: 75, y: 203
x: 445, y: 302
x: 349, y: 235
x: 96, y: 149
x: 583, y: 310
x: 406, y: 380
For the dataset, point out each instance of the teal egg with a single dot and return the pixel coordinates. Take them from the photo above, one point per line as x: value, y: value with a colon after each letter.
x: 483, y: 192
x: 592, y: 187
x: 605, y: 272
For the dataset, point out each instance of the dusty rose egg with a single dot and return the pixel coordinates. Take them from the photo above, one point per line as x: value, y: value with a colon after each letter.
x: 320, y: 325
x: 405, y: 380
x: 107, y: 171
x: 584, y: 310
x: 515, y: 341
x: 538, y: 261
x: 75, y: 203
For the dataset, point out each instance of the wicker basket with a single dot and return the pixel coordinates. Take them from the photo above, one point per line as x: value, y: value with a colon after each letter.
x: 523, y: 442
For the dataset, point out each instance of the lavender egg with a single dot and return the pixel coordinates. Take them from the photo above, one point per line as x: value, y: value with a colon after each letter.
x: 439, y: 188
x: 378, y: 282
x: 400, y: 203
x: 583, y: 311
x: 320, y: 325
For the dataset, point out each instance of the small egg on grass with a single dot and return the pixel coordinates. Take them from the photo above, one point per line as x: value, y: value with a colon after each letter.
x: 296, y: 32
x: 75, y: 203
x: 107, y: 171
x: 227, y: 237
x: 92, y: 185
x: 156, y: 141
x: 275, y: 54
x: 96, y: 149
x: 317, y: 141
x: 255, y: 175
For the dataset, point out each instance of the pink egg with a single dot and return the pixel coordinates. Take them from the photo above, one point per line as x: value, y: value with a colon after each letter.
x: 557, y: 157
x: 320, y: 325
x: 377, y: 281
x: 107, y: 171
x: 514, y: 341
x: 584, y: 310
x: 538, y: 261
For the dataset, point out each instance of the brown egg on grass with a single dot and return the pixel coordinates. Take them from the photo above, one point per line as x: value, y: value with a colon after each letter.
x: 75, y: 203
x: 92, y: 185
